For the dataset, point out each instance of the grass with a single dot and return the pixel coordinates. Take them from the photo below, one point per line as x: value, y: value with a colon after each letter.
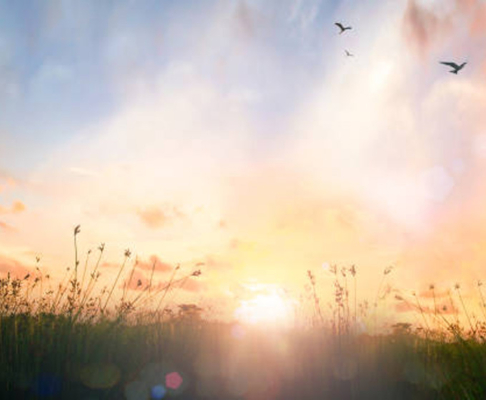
x: 80, y: 341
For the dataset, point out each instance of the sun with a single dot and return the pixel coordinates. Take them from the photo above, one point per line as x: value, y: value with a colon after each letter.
x: 268, y: 308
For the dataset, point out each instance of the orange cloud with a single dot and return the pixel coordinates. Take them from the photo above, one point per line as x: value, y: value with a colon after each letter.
x: 17, y: 207
x: 7, y: 181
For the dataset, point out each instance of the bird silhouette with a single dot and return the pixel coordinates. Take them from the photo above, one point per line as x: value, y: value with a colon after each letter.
x: 455, y: 68
x: 342, y: 27
x: 348, y: 54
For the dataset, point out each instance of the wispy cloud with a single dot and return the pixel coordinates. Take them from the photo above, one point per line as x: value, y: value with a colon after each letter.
x: 155, y: 263
x: 15, y: 268
x: 423, y: 27
x: 6, y: 227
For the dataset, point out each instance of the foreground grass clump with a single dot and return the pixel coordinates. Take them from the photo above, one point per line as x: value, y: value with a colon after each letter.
x: 78, y: 341
x: 48, y: 356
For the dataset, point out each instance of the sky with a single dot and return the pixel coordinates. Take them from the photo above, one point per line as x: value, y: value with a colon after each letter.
x: 238, y: 134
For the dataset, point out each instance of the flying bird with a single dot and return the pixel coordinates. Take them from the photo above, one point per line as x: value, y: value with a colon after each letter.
x: 348, y: 54
x: 455, y: 68
x: 342, y: 27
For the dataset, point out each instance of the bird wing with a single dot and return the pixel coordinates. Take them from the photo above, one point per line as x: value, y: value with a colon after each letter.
x: 450, y: 64
x: 339, y: 25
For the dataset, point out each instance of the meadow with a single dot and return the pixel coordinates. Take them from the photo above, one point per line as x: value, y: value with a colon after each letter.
x: 78, y: 341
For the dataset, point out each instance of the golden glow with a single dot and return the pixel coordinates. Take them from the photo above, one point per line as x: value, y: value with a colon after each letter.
x: 265, y: 308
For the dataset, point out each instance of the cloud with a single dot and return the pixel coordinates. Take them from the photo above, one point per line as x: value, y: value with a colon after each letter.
x: 244, y: 21
x: 422, y: 27
x: 6, y: 227
x: 17, y: 207
x: 443, y: 308
x: 194, y: 285
x: 147, y: 265
x: 153, y: 217
x: 217, y: 262
x: 15, y: 268
x: 160, y: 266
x: 430, y: 294
x: 140, y: 281
x: 435, y: 25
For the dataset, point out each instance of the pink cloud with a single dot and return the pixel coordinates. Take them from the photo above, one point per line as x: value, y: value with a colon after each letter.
x: 422, y: 27
x: 6, y: 227
x: 216, y: 262
x: 194, y: 285
x: 153, y: 217
x: 478, y: 23
x: 140, y: 281
x: 16, y: 268
x: 429, y: 294
x: 160, y: 266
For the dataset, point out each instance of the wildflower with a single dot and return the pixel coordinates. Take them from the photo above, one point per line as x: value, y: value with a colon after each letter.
x: 37, y: 259
x: 139, y: 283
x: 196, y: 273
x: 387, y: 270
x: 457, y: 286
x: 480, y: 283
x: 128, y: 253
x: 101, y: 247
x: 352, y: 270
x: 77, y: 229
x: 432, y: 287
